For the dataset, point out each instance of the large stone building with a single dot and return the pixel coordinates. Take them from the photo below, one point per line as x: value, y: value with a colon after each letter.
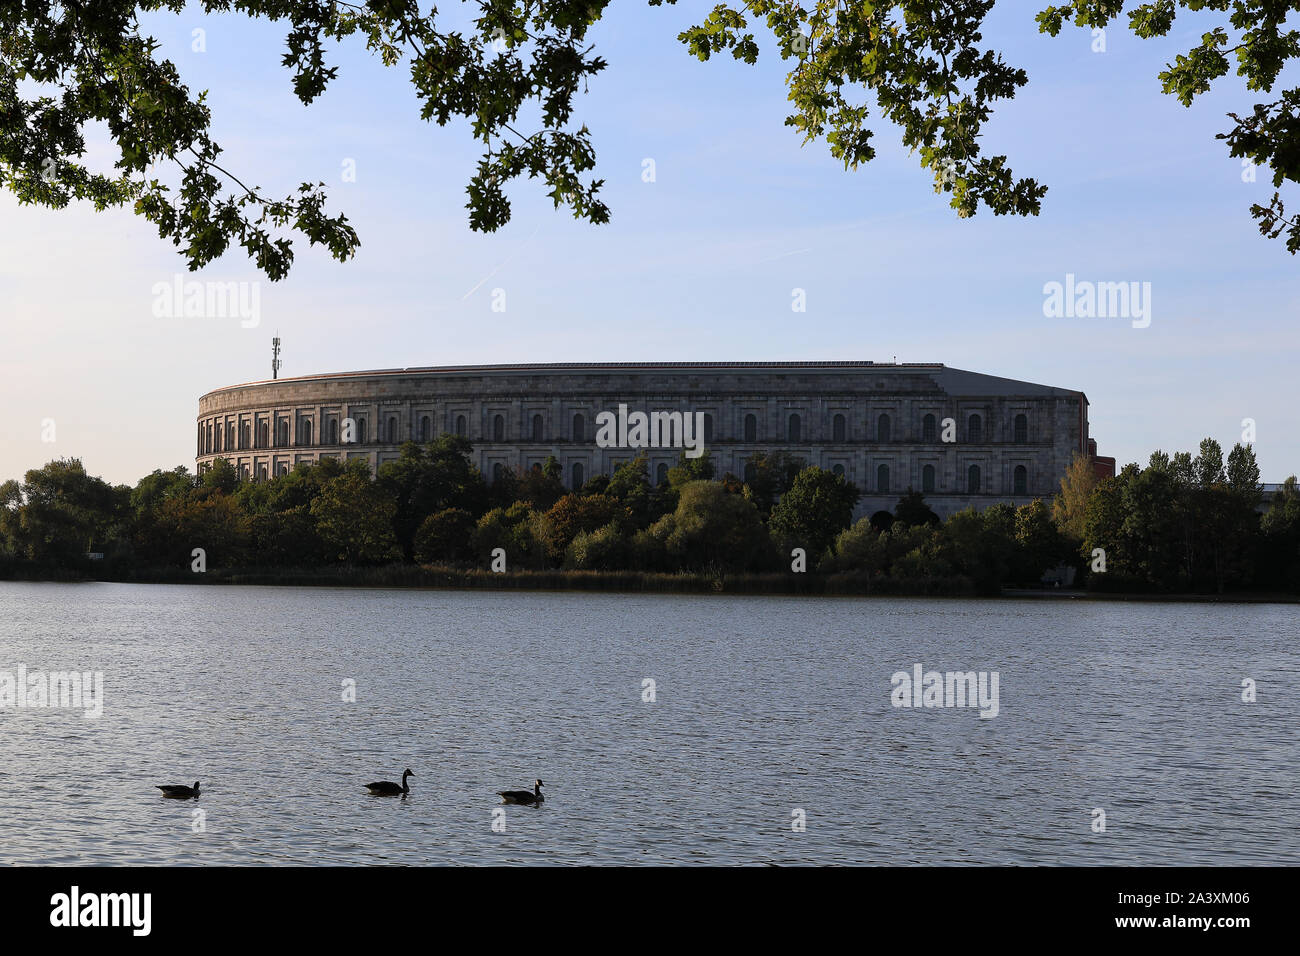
x: 960, y: 437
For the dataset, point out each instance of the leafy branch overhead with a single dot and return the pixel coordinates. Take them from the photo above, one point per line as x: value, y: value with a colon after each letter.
x: 923, y: 65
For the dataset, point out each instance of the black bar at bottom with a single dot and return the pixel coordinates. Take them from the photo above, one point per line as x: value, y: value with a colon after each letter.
x: 512, y: 906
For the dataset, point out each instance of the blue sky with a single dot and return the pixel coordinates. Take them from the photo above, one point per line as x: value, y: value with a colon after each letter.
x: 698, y: 265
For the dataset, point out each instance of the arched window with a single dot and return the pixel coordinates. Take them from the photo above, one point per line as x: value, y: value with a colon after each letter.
x: 283, y: 428
x: 538, y: 428
x: 209, y: 441
x: 499, y: 428
x: 973, y: 480
x: 838, y: 470
x: 1020, y: 480
x: 578, y: 474
x: 927, y: 478
x: 460, y: 425
x: 882, y: 428
x: 579, y: 432
x: 426, y: 428
x: 306, y: 432
x: 882, y: 479
x: 708, y: 429
x: 749, y: 471
x: 230, y: 437
x: 928, y: 428
x: 263, y: 435
x: 245, y: 435
x: 261, y: 472
x: 361, y: 431
x: 220, y: 432
x: 751, y: 428
x: 334, y: 431
x: 243, y: 472
x: 974, y: 429
x: 497, y: 471
x: 392, y: 429
x: 839, y: 428
x: 1022, y: 429
x: 661, y: 474
x: 796, y: 429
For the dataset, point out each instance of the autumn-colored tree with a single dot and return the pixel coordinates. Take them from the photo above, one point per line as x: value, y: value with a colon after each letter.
x: 572, y: 515
x: 1070, y: 506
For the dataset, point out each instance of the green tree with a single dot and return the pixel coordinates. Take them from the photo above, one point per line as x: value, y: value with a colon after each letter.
x: 923, y: 64
x: 355, y: 517
x: 445, y: 536
x: 604, y: 549
x: 818, y: 506
x: 425, y: 479
x: 687, y: 470
x: 1279, y: 557
x: 980, y: 545
x: 289, y: 538
x: 514, y: 530
x: 541, y: 486
x: 768, y: 476
x: 1152, y: 530
x: 60, y: 513
x: 220, y: 476
x: 159, y: 486
x: 206, y: 519
x: 692, y: 469
x: 1042, y: 546
x: 912, y: 509
x: 714, y: 531
x: 630, y: 486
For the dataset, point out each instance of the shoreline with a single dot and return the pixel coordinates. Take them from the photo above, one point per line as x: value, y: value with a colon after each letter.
x: 775, y: 584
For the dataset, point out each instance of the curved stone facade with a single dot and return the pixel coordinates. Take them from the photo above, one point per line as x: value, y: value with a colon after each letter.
x: 961, y: 437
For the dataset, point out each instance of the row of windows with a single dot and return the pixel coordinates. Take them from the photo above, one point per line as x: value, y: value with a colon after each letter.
x: 228, y: 438
x: 210, y: 441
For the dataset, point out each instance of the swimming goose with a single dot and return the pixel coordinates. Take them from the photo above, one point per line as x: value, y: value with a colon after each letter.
x: 179, y: 792
x: 528, y: 797
x: 386, y: 788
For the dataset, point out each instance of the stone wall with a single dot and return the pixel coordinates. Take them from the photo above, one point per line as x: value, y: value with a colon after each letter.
x: 853, y: 417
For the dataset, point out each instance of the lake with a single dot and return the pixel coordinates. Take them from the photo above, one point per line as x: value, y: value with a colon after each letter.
x: 772, y: 736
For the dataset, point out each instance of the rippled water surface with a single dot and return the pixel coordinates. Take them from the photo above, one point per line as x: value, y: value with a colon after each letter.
x: 764, y: 706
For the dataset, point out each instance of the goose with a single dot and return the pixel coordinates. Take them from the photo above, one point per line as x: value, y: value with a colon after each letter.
x: 386, y: 788
x: 179, y: 792
x: 528, y: 797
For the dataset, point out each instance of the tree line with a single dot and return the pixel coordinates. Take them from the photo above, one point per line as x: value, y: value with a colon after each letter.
x: 1182, y: 524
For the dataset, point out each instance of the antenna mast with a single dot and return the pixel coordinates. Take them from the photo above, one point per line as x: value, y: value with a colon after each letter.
x: 275, y: 357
